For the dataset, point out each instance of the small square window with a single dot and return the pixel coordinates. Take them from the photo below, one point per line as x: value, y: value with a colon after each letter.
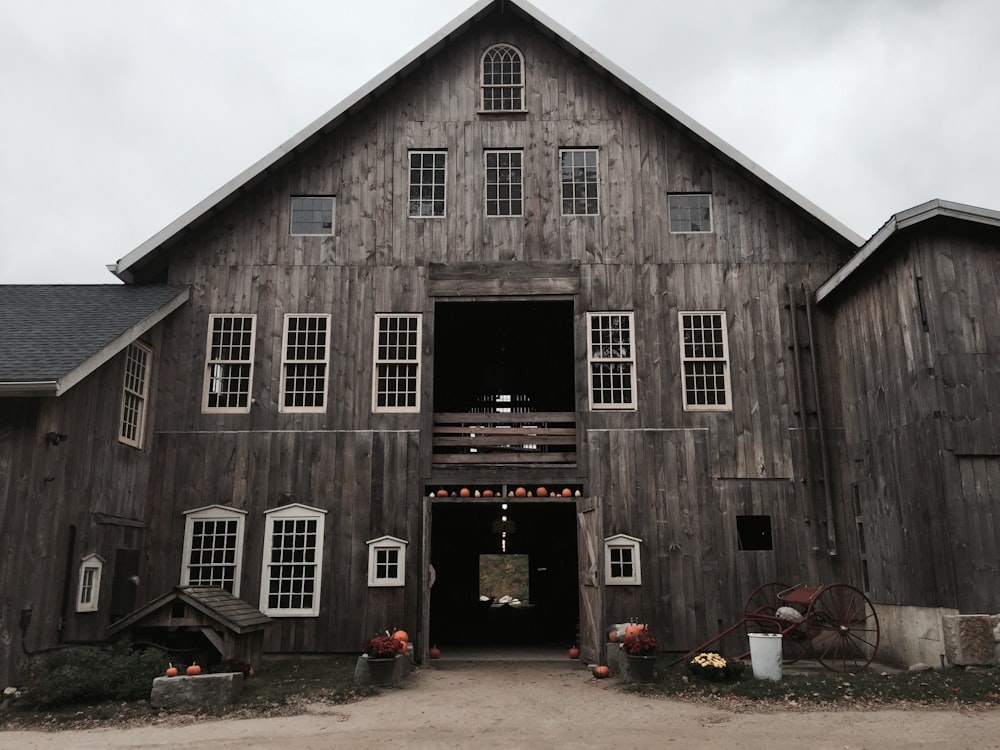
x: 312, y: 214
x: 621, y: 561
x: 690, y: 213
x: 387, y: 561
x: 754, y: 532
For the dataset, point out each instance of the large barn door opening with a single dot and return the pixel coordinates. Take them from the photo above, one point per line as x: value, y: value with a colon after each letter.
x: 591, y: 578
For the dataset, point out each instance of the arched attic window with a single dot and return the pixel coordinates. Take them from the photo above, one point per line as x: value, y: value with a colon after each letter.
x: 503, y: 79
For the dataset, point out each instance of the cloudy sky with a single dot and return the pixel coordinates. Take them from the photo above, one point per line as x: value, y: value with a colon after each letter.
x: 120, y: 115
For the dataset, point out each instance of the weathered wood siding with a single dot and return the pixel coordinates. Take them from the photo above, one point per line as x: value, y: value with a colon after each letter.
x: 919, y: 341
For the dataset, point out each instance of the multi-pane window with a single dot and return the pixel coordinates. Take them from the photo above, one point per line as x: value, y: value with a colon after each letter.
x: 578, y: 175
x: 135, y: 392
x: 292, y: 566
x: 305, y: 357
x: 386, y: 561
x: 611, y: 359
x: 89, y: 587
x: 621, y: 560
x: 229, y: 363
x: 503, y: 79
x: 503, y: 183
x: 312, y: 214
x: 397, y: 363
x: 213, y: 548
x: 690, y: 212
x: 704, y: 361
x: 427, y: 183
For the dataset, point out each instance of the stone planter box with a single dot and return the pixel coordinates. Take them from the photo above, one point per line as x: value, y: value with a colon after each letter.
x: 196, y: 691
x: 402, y: 664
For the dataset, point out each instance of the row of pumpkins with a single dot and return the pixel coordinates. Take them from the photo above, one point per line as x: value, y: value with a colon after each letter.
x: 519, y: 492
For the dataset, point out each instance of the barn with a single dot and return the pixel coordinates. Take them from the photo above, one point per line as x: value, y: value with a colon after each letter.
x: 505, y: 302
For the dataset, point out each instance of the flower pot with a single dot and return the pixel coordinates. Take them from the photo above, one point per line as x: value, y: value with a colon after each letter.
x: 640, y: 668
x: 382, y: 671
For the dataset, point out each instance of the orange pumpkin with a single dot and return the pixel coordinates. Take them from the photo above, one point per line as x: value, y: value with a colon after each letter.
x: 541, y: 492
x: 402, y: 646
x: 442, y: 493
x: 613, y: 635
x: 193, y: 669
x: 574, y: 653
x: 171, y: 670
x: 487, y: 493
x: 633, y: 629
x: 434, y: 652
x: 402, y: 635
x: 602, y: 671
x: 464, y: 492
x: 520, y: 492
x: 567, y: 492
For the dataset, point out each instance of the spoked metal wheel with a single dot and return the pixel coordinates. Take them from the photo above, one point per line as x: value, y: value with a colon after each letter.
x: 843, y: 628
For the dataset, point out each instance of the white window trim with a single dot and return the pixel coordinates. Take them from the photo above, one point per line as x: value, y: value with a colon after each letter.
x: 597, y: 154
x: 209, y: 364
x: 333, y: 216
x: 93, y: 562
x: 711, y: 215
x: 213, y: 513
x: 295, y: 511
x: 325, y: 361
x: 486, y: 183
x: 483, y: 86
x: 386, y: 543
x: 141, y: 397
x: 728, y: 406
x: 623, y: 541
x: 630, y: 360
x: 409, y: 184
x: 417, y: 362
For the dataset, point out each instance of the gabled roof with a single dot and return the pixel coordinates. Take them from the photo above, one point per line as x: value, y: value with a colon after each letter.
x: 54, y: 335
x: 402, y: 67
x: 217, y: 604
x: 897, y: 223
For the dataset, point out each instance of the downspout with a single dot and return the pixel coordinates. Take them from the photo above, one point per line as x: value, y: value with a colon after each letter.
x: 831, y: 532
x: 800, y: 394
x: 67, y: 582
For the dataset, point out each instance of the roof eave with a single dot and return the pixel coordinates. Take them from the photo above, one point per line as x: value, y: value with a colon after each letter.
x: 30, y: 389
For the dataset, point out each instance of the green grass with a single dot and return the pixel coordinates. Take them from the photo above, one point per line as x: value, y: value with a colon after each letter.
x: 821, y: 687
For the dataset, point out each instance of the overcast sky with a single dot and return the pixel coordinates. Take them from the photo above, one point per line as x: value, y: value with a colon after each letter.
x: 120, y: 115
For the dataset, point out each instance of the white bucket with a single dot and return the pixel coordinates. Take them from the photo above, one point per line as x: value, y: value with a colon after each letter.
x: 765, y: 655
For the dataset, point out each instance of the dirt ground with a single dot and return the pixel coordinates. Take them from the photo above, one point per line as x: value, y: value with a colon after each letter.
x: 550, y: 705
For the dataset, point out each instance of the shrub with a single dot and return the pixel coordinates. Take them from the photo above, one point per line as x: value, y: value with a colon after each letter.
x: 77, y: 674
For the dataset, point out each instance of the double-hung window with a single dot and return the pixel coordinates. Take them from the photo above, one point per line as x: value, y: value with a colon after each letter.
x: 579, y: 179
x: 396, y: 384
x: 705, y: 361
x: 611, y: 360
x: 213, y: 548
x: 502, y: 79
x: 88, y: 591
x: 135, y: 393
x: 292, y: 570
x: 504, y: 183
x: 427, y: 183
x: 229, y: 363
x: 304, y: 363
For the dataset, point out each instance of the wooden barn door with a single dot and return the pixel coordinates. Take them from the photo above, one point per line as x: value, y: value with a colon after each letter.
x: 589, y: 541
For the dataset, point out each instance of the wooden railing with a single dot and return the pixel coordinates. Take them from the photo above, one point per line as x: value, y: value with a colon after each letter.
x: 501, y: 438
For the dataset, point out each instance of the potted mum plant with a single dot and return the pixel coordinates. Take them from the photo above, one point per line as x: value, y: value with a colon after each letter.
x: 381, y: 651
x: 640, y: 647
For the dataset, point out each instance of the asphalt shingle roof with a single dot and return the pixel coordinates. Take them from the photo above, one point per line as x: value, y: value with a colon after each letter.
x: 49, y: 330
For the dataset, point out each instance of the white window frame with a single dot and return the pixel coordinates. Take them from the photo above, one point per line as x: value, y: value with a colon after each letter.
x: 317, y: 207
x: 292, y: 514
x: 383, y: 364
x: 564, y: 170
x: 511, y: 91
x: 608, y: 359
x: 417, y: 187
x: 692, y: 360
x: 135, y: 394
x: 290, y: 365
x: 492, y: 205
x: 386, y: 544
x: 217, y: 514
x: 216, y: 367
x: 622, y: 542
x: 88, y: 590
x: 681, y: 214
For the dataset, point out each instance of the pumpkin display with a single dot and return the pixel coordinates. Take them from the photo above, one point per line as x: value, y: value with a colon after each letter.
x: 193, y: 670
x: 171, y: 670
x: 567, y: 492
x: 464, y: 492
x: 574, y: 652
x: 434, y: 652
x: 520, y: 492
x: 541, y: 492
x: 601, y: 671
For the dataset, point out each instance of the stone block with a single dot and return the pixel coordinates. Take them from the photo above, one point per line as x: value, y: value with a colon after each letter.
x: 196, y: 691
x: 402, y: 666
x: 970, y: 640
